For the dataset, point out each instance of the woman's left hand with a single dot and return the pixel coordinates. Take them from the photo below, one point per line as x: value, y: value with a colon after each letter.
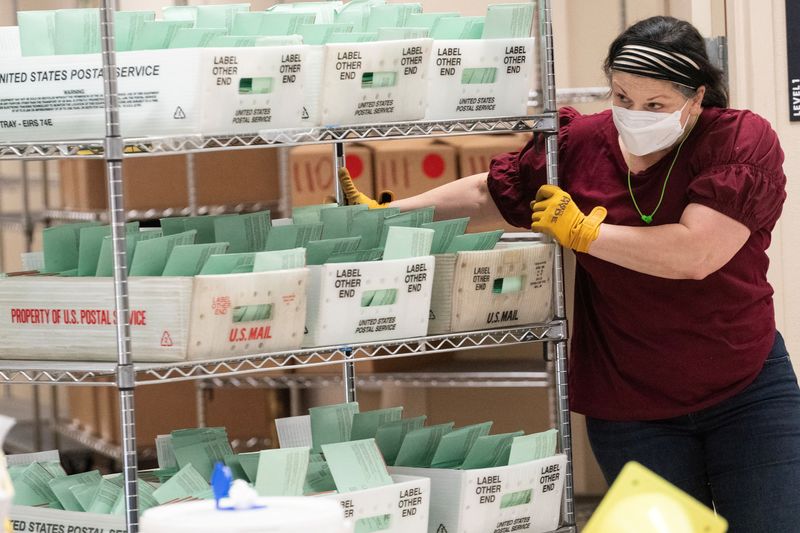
x: 555, y: 213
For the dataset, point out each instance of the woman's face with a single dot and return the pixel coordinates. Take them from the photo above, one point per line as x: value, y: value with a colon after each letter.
x: 639, y: 93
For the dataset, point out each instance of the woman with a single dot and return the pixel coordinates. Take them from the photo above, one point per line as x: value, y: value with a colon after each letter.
x: 675, y: 359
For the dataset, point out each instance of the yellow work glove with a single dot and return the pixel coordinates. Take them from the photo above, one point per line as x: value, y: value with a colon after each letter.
x: 355, y: 197
x: 555, y: 214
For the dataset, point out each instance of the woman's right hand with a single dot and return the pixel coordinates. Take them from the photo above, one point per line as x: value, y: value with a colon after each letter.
x: 356, y: 197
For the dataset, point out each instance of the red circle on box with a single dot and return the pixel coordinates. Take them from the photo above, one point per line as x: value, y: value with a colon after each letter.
x: 433, y: 166
x: 355, y: 165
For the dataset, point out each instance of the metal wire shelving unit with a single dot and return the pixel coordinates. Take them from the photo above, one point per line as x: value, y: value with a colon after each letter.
x: 126, y: 375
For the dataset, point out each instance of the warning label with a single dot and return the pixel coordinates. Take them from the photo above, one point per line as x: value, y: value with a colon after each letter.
x: 73, y: 101
x: 166, y: 339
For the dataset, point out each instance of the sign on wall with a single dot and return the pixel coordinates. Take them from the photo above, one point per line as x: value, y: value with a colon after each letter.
x: 793, y: 55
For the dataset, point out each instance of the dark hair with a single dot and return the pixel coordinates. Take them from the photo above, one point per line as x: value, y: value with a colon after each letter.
x: 679, y: 36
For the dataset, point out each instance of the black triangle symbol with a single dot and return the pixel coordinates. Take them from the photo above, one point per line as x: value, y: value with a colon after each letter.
x: 179, y: 114
x: 306, y: 331
x: 305, y: 113
x: 441, y: 529
x: 431, y: 316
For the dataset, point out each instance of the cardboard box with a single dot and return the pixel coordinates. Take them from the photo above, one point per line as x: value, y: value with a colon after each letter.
x: 162, y: 408
x: 480, y: 78
x: 358, y: 84
x: 465, y: 289
x: 313, y: 173
x: 336, y: 316
x: 412, y: 166
x: 475, y: 152
x: 477, y: 501
x: 172, y: 319
x: 221, y: 178
x: 406, y: 503
x: 162, y: 92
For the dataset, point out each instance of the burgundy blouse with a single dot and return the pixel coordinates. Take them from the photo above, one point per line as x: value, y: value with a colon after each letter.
x: 645, y: 347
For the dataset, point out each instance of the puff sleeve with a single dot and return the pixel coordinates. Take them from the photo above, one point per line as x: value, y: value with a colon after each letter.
x: 515, y: 177
x: 742, y: 174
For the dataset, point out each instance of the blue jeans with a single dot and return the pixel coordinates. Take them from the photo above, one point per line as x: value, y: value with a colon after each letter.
x: 742, y: 455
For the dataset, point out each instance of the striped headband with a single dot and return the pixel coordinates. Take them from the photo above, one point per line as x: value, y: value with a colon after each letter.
x: 645, y: 58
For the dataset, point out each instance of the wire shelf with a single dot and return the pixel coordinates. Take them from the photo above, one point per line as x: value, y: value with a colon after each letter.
x: 101, y: 374
x: 68, y: 215
x: 288, y: 137
x: 378, y: 381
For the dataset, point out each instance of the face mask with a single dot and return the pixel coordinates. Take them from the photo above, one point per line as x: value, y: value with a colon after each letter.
x: 645, y: 132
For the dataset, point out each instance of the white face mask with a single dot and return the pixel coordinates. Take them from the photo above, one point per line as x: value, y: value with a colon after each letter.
x: 645, y: 132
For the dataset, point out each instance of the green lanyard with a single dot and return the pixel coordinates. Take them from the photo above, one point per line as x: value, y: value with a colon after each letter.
x: 649, y: 218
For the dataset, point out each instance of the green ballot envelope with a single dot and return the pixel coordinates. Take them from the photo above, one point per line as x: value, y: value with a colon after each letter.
x: 195, y: 37
x: 245, y: 233
x: 127, y: 25
x: 219, y: 16
x: 331, y: 423
x: 490, y: 451
x: 61, y: 488
x: 454, y: 446
x: 365, y: 425
x: 204, y: 225
x: 458, y: 28
x: 293, y: 236
x: 188, y: 482
x: 317, y: 34
x: 353, y: 37
x: 319, y: 252
x: 419, y: 446
x: 445, y: 232
x: 532, y: 447
x: 356, y: 465
x: 77, y: 31
x: 37, y: 32
x: 508, y: 21
x: 152, y: 254
x: 181, y: 13
x: 189, y: 259
x: 427, y: 20
x: 157, y: 34
x: 282, y: 471
x: 402, y: 243
x: 390, y: 15
x: 228, y: 264
x: 390, y: 436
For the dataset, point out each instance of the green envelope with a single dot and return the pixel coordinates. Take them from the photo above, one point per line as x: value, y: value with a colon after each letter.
x: 279, y: 260
x: 338, y: 221
x: 77, y: 31
x: 37, y: 32
x: 188, y: 482
x: 396, y: 34
x: 365, y: 424
x: 458, y: 28
x: 316, y: 34
x: 218, y: 16
x: 508, y: 21
x: 293, y: 236
x: 157, y: 34
x: 319, y: 252
x: 151, y: 255
x: 454, y: 446
x: 403, y: 243
x: 185, y: 13
x: 61, y: 488
x: 195, y: 38
x: 390, y: 436
x: 107, y: 493
x: 249, y: 463
x: 201, y: 448
x: 419, y: 446
x: 352, y: 37
x: 369, y: 226
x: 533, y: 447
x: 228, y: 264
x: 331, y: 423
x: 90, y: 244
x: 203, y: 224
x: 390, y: 15
x: 428, y: 20
x: 189, y: 259
x: 446, y: 231
x: 105, y: 265
x: 318, y: 478
x: 245, y: 233
x: 473, y: 242
x: 490, y: 451
x: 409, y: 219
x: 61, y: 247
x: 356, y: 465
x: 282, y: 471
x: 127, y: 25
x: 309, y: 214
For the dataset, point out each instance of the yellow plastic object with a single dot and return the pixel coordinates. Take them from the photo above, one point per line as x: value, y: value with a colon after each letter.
x: 640, y: 501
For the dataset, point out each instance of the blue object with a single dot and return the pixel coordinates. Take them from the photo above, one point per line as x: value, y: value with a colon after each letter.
x: 221, y: 481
